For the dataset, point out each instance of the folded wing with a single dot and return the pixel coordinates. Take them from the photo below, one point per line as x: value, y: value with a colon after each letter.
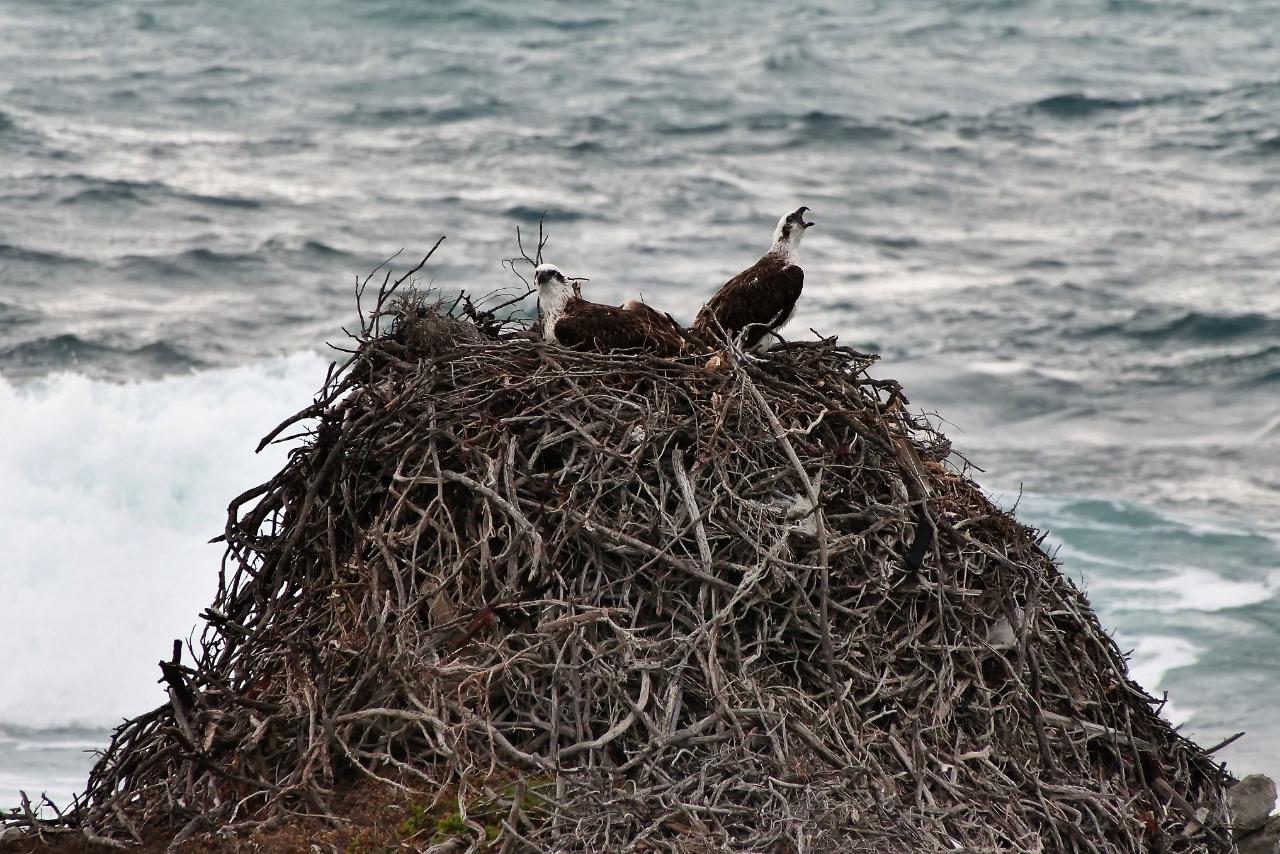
x: 765, y: 293
x: 592, y: 326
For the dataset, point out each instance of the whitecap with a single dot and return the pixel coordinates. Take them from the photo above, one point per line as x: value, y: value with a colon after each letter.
x: 111, y: 494
x: 1153, y: 657
x: 1193, y: 589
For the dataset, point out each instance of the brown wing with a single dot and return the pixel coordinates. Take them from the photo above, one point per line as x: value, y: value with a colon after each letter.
x: 662, y: 328
x: 763, y: 293
x: 591, y: 326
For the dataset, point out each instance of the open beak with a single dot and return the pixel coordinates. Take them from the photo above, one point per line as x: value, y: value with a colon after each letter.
x: 800, y: 216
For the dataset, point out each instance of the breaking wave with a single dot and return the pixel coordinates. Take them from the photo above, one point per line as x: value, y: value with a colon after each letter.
x: 111, y: 494
x: 70, y: 351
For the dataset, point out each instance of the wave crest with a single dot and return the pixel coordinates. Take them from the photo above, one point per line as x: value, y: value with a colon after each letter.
x: 112, y: 491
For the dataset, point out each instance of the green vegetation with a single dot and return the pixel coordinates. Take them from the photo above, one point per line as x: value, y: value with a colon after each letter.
x: 441, y: 823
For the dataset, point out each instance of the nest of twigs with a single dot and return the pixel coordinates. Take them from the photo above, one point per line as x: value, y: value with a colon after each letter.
x: 612, y: 602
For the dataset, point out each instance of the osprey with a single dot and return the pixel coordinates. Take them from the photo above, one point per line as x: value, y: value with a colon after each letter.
x: 570, y: 320
x: 762, y: 297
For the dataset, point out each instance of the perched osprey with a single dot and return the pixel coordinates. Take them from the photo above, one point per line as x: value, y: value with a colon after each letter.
x: 570, y: 320
x: 765, y: 293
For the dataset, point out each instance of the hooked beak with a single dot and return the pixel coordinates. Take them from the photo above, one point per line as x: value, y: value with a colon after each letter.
x: 800, y: 217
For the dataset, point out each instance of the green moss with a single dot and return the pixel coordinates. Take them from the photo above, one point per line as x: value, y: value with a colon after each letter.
x: 450, y: 825
x: 417, y: 821
x: 531, y: 803
x: 488, y: 812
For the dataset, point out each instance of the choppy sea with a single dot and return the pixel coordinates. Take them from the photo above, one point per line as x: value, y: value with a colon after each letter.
x: 1056, y: 220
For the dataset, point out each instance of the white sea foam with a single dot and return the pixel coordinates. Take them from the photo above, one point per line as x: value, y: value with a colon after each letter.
x: 1194, y: 589
x: 1153, y: 657
x: 111, y: 492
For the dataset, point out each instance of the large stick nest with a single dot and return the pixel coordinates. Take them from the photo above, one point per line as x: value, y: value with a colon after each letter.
x: 627, y: 604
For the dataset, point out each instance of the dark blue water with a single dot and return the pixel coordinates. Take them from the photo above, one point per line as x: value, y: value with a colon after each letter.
x: 1056, y: 220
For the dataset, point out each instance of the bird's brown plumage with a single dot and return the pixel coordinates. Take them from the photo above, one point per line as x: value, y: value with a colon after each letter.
x: 764, y: 293
x: 592, y: 326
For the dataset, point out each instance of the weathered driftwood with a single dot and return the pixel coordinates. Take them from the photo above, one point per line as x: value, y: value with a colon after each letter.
x: 640, y: 606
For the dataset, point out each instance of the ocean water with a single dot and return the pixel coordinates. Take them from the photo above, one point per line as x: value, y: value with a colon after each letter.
x: 1055, y: 220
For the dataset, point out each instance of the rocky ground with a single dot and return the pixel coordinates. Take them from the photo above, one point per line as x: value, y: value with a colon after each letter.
x: 1256, y: 827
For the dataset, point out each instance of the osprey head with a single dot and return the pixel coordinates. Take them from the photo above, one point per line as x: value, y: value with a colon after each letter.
x: 554, y: 292
x: 552, y: 284
x: 548, y: 275
x: 791, y: 228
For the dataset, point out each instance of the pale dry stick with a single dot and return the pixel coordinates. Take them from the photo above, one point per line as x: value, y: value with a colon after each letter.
x: 819, y: 515
x: 691, y: 503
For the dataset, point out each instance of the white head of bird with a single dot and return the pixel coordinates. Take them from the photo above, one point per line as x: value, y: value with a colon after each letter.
x: 554, y: 291
x: 790, y: 231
